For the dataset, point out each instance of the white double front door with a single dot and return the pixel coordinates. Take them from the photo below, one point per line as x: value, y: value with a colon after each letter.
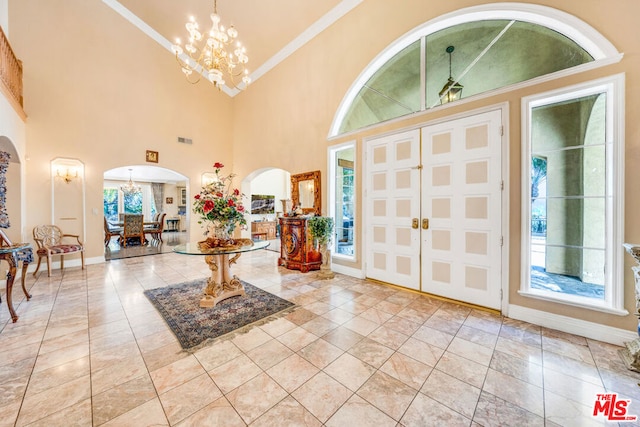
x: 433, y: 209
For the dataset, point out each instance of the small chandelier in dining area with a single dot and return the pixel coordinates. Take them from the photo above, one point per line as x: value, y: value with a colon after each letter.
x: 130, y: 187
x: 216, y: 54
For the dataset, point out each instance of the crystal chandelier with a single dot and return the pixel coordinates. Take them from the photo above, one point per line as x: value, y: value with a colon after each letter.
x: 130, y: 187
x: 213, y: 54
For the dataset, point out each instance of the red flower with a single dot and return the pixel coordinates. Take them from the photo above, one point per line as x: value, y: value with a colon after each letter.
x: 208, y: 206
x: 240, y: 208
x: 197, y: 197
x: 236, y: 192
x: 219, y: 194
x: 230, y: 202
x: 218, y: 165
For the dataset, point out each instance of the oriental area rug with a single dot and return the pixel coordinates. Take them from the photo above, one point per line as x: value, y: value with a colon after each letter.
x: 179, y: 305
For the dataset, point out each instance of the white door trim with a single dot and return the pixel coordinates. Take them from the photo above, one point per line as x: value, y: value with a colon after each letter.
x: 505, y: 142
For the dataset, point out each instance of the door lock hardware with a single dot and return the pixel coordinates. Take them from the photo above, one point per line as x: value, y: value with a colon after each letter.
x: 414, y: 223
x: 425, y: 223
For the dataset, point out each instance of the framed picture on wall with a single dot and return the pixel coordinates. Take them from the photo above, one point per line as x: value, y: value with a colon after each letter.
x: 169, y: 200
x: 152, y: 156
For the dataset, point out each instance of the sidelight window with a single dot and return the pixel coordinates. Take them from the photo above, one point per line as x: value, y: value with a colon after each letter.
x: 572, y: 196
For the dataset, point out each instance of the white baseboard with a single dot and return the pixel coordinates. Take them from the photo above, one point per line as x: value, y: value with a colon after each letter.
x: 584, y: 328
x: 55, y: 265
x: 347, y: 271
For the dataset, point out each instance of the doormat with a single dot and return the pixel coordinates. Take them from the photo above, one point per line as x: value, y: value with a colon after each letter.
x: 179, y: 305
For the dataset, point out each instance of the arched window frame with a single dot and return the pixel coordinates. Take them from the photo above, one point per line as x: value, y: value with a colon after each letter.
x: 583, y: 34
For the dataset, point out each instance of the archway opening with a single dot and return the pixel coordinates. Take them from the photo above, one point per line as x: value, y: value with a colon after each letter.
x: 266, y: 191
x: 157, y: 194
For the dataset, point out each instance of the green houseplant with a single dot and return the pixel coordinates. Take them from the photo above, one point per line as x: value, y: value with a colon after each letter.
x: 321, y: 229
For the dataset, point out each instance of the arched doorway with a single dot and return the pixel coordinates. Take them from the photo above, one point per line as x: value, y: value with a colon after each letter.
x: 264, y: 190
x: 11, y: 200
x: 147, y: 191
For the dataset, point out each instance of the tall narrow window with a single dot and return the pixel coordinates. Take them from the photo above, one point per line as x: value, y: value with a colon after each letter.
x: 342, y: 193
x: 133, y: 203
x: 571, y: 197
x: 110, y: 200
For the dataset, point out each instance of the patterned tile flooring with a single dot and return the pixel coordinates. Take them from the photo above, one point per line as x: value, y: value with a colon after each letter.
x: 89, y: 349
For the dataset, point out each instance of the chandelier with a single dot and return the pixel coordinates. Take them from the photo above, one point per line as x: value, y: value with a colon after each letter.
x: 452, y: 90
x: 130, y: 187
x: 213, y: 54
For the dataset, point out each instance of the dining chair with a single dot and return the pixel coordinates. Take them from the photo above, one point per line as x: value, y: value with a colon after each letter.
x: 52, y: 241
x: 110, y: 231
x: 133, y: 227
x: 156, y: 229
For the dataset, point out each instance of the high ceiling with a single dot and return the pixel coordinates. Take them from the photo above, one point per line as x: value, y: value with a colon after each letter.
x: 269, y: 29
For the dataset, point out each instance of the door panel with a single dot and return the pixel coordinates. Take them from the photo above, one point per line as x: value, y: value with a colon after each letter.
x: 461, y: 197
x: 392, y: 202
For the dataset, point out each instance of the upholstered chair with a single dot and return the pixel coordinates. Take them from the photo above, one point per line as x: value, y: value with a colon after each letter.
x: 156, y: 229
x: 133, y: 227
x: 110, y: 231
x: 52, y: 241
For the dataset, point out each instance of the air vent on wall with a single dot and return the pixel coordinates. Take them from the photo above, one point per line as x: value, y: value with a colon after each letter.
x: 185, y: 140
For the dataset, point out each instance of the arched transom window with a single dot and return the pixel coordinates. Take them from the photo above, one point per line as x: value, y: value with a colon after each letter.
x: 476, y: 50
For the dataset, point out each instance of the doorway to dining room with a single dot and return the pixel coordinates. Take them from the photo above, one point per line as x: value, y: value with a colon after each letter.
x: 159, y: 195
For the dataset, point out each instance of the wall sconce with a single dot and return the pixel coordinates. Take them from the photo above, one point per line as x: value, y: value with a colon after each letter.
x: 68, y: 175
x: 452, y: 90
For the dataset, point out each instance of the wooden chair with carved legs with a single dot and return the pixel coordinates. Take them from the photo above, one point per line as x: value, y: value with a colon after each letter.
x: 110, y: 231
x: 156, y: 229
x: 52, y: 241
x: 133, y: 227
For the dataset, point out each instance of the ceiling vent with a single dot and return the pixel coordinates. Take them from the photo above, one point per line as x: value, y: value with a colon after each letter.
x: 183, y: 140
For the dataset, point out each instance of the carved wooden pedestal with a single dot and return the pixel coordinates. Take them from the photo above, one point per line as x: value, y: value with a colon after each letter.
x: 222, y: 284
x: 13, y: 254
x: 296, y: 246
x: 631, y: 353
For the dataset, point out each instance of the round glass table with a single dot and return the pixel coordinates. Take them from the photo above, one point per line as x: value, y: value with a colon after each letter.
x: 222, y: 284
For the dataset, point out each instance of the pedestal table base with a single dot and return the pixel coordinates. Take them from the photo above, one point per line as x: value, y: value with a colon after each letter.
x: 222, y: 284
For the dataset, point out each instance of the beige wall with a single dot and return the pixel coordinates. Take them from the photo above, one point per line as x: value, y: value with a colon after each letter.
x: 101, y: 91
x: 91, y: 94
x: 291, y: 109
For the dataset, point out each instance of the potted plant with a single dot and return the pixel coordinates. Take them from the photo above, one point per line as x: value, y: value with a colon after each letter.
x: 321, y: 229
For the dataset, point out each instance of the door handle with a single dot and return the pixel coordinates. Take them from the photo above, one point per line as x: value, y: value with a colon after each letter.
x: 414, y: 223
x: 425, y: 223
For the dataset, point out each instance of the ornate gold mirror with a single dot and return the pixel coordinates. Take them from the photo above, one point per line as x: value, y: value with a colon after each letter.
x: 305, y: 192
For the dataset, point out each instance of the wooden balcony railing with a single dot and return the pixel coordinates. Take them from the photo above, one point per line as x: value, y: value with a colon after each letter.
x: 10, y: 75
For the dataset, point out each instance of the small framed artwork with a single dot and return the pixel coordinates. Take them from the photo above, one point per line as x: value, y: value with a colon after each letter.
x: 169, y: 200
x: 152, y: 156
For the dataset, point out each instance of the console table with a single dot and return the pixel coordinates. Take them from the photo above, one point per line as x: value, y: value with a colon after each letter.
x: 172, y: 224
x: 296, y: 246
x: 13, y: 254
x: 222, y: 284
x: 263, y: 230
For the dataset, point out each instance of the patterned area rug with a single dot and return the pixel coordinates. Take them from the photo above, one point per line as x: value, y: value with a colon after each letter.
x: 179, y: 305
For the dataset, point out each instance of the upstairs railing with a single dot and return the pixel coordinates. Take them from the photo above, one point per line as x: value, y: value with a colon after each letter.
x: 10, y: 74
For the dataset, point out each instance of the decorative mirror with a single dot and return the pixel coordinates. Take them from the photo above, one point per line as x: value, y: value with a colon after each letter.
x: 305, y: 192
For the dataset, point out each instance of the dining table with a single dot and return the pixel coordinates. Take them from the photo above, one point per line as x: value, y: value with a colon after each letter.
x: 120, y: 224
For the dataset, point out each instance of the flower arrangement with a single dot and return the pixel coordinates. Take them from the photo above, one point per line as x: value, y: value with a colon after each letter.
x: 219, y: 204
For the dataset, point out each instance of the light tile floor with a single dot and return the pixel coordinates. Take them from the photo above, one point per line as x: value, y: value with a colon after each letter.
x: 89, y: 349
